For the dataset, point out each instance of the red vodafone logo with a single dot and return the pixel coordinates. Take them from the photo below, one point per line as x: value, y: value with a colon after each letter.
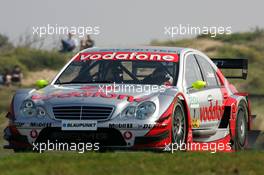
x: 141, y: 56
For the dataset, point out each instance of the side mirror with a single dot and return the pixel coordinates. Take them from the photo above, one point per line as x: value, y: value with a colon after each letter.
x: 41, y: 83
x: 199, y: 84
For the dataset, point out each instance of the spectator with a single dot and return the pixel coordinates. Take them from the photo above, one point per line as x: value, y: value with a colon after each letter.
x: 86, y: 43
x: 2, y: 79
x: 17, y: 75
x: 69, y: 44
x: 7, y: 77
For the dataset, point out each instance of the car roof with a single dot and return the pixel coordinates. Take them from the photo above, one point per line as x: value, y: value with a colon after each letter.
x: 153, y: 49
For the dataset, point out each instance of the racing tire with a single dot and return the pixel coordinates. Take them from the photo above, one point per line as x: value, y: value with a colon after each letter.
x: 241, y: 127
x: 179, y: 124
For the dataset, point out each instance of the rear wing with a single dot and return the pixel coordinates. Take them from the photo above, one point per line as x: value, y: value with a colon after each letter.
x: 233, y: 64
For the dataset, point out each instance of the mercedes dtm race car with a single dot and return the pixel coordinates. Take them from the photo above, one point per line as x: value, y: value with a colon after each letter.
x: 134, y: 98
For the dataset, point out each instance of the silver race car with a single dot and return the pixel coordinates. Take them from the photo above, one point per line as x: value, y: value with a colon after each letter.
x: 134, y: 98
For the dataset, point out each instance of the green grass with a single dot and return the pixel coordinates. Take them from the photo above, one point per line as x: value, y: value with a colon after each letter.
x: 238, y: 38
x: 29, y: 59
x: 133, y: 163
x: 6, y: 94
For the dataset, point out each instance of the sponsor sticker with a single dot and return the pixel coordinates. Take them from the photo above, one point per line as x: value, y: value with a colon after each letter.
x: 19, y: 124
x: 41, y: 124
x: 210, y: 75
x: 88, y: 125
x: 196, y: 123
x: 212, y: 112
x: 144, y: 56
x: 121, y: 125
x: 194, y: 102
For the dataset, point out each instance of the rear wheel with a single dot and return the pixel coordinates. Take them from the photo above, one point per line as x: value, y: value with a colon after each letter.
x: 179, y: 124
x: 241, y: 127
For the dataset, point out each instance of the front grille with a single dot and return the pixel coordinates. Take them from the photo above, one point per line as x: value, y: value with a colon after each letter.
x: 82, y: 112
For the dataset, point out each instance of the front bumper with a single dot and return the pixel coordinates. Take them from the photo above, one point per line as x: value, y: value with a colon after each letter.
x: 15, y: 140
x: 21, y: 134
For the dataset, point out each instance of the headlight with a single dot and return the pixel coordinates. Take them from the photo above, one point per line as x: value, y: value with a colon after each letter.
x: 41, y: 112
x: 143, y: 111
x: 29, y: 104
x: 129, y: 112
x: 29, y: 108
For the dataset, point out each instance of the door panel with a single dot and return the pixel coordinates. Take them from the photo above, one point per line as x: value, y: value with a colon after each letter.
x: 210, y: 116
x: 205, y: 104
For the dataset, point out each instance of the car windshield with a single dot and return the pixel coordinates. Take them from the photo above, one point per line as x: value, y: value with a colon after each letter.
x: 119, y: 71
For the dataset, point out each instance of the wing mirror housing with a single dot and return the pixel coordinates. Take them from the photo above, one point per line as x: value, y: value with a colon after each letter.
x: 199, y: 84
x: 41, y: 83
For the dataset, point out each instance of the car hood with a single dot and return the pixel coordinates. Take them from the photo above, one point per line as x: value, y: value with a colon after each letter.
x: 99, y: 94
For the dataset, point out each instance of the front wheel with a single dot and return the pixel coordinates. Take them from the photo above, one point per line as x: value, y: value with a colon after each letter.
x: 179, y: 124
